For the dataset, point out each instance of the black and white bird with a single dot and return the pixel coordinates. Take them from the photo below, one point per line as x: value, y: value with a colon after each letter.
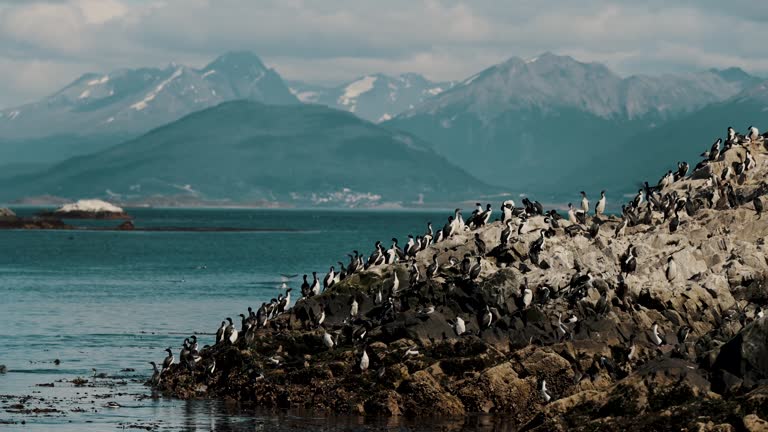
x: 329, y: 278
x: 474, y: 272
x: 671, y: 269
x: 155, y: 380
x: 629, y: 261
x: 600, y: 206
x: 433, y: 268
x: 479, y: 244
x: 314, y: 289
x: 714, y: 151
x: 584, y: 202
x: 638, y: 200
x: 220, y: 332
x: 169, y: 359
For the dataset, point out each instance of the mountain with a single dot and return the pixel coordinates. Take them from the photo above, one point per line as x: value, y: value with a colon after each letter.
x: 247, y: 152
x: 98, y: 110
x: 374, y: 97
x: 537, y: 124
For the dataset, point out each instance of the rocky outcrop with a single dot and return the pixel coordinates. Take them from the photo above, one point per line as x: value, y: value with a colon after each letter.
x: 89, y: 209
x: 586, y: 330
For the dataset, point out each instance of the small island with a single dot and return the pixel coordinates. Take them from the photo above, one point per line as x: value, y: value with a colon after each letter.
x: 89, y: 209
x: 649, y: 321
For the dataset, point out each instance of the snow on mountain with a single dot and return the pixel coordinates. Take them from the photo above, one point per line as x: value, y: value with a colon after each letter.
x: 133, y: 101
x: 375, y: 97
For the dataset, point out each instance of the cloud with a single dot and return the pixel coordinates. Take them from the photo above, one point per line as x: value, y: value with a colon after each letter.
x: 333, y: 40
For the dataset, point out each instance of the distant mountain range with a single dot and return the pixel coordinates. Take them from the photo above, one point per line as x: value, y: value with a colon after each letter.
x: 247, y: 152
x: 136, y: 100
x: 375, y: 97
x: 538, y: 124
x: 99, y: 110
x: 547, y: 126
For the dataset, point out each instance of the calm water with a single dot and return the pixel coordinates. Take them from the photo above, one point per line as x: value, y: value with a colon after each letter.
x: 108, y: 302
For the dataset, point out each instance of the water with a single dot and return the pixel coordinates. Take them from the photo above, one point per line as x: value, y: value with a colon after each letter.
x: 106, y: 302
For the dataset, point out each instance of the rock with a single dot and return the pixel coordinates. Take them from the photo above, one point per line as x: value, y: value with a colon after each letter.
x: 426, y: 397
x: 589, y: 337
x: 753, y: 423
x: 6, y: 213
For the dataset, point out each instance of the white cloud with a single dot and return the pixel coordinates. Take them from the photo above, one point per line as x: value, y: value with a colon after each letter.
x: 340, y: 39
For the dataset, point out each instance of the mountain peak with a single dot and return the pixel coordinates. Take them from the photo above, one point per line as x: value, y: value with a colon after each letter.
x: 236, y: 60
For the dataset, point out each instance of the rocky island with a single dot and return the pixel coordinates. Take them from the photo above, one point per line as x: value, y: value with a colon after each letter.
x: 88, y: 209
x: 651, y: 320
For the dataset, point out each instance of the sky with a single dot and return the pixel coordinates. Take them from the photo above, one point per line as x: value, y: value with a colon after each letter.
x: 45, y: 44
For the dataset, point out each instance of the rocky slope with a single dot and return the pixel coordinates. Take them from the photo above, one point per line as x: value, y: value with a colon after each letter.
x: 585, y: 328
x: 375, y: 97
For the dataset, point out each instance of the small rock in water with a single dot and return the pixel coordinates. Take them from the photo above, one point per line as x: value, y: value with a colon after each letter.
x: 3, y: 369
x: 57, y: 362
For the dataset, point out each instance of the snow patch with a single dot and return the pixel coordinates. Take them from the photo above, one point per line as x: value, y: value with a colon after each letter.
x: 435, y: 91
x: 89, y: 205
x: 110, y: 120
x: 352, y: 91
x: 13, y: 114
x: 102, y: 80
x: 209, y: 73
x: 84, y: 94
x: 305, y: 96
x: 384, y: 117
x: 531, y: 60
x: 469, y: 80
x: 138, y: 106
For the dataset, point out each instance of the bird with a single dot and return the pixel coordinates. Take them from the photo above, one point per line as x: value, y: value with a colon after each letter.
x: 600, y: 206
x: 671, y: 269
x: 155, y: 380
x: 656, y: 337
x: 327, y: 340
x: 487, y: 317
x: 328, y: 279
x: 714, y: 151
x: 584, y: 202
x: 364, y: 361
x: 231, y: 332
x: 527, y: 296
x: 315, y: 287
x: 220, y: 332
x: 682, y: 333
x: 305, y: 287
x: 674, y: 223
x: 758, y: 203
x: 433, y: 268
x: 395, y: 283
x: 168, y: 360
x: 479, y: 244
x: 474, y: 272
x: 629, y: 261
x: 638, y: 200
x: 459, y: 326
x: 543, y: 393
x: 353, y: 308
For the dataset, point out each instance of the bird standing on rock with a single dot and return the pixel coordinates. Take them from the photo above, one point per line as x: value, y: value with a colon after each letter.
x: 479, y: 244
x: 671, y: 269
x: 600, y: 206
x: 584, y: 202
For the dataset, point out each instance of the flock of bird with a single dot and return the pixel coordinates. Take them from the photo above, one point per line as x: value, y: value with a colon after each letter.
x: 652, y: 205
